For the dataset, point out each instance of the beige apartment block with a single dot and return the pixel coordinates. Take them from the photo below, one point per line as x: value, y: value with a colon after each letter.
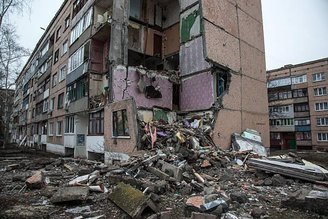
x: 102, y: 67
x: 298, y: 103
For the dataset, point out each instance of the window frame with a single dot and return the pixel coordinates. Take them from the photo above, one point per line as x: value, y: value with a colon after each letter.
x: 96, y: 123
x: 124, y: 132
x: 321, y: 76
x: 60, y: 101
x: 70, y: 124
x: 322, y: 136
x: 59, y: 132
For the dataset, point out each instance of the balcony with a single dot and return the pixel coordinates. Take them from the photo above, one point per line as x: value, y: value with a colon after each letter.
x: 41, y: 117
x: 77, y: 73
x: 303, y: 142
x: 303, y: 128
x: 274, y: 128
x: 45, y: 57
x: 301, y: 114
x: 80, y: 105
x: 300, y: 100
x: 45, y: 75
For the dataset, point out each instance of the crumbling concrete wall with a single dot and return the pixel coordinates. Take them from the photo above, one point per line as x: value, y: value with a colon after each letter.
x: 233, y: 33
x: 125, y: 86
x: 197, y: 92
x: 123, y: 144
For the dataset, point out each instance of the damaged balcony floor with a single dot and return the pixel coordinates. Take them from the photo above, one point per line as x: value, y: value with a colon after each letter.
x: 250, y: 194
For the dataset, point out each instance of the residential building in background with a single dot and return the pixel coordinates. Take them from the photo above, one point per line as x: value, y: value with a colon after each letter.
x: 298, y: 106
x: 104, y: 66
x: 6, y: 108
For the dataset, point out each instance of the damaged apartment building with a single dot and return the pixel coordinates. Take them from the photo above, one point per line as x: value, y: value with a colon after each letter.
x: 104, y: 67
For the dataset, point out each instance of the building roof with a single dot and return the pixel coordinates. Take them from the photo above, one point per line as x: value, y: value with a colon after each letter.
x: 288, y: 66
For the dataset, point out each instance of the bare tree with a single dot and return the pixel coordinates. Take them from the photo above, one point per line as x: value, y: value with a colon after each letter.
x: 9, y: 6
x: 11, y: 54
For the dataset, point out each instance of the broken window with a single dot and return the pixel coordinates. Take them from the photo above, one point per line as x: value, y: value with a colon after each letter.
x: 120, y: 123
x: 221, y: 82
x: 96, y: 123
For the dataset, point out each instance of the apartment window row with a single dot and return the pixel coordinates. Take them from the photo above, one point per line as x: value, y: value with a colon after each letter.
x: 279, y: 82
x: 299, y: 79
x: 78, y: 58
x: 280, y: 95
x: 81, y: 26
x: 322, y: 136
x: 301, y: 108
x: 300, y: 93
x: 303, y: 136
x: 320, y: 91
x: 302, y: 121
x: 319, y: 77
x: 322, y: 121
x: 280, y: 109
x: 77, y: 90
x: 323, y: 106
x: 282, y: 122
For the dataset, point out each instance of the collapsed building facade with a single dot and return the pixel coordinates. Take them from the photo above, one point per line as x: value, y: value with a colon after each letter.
x: 104, y: 67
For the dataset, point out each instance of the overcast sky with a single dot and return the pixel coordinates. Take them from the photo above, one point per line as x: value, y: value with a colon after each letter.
x: 295, y: 31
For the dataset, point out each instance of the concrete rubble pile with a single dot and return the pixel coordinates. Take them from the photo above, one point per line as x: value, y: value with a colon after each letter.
x: 183, y: 175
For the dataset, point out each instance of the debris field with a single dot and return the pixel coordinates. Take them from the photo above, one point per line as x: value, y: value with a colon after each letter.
x: 170, y: 182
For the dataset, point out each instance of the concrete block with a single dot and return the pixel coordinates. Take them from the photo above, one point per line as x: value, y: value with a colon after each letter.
x: 36, y: 181
x: 129, y: 199
x: 69, y: 194
x: 171, y: 170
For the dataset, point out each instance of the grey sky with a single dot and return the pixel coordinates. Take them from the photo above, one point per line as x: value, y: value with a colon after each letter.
x: 295, y: 30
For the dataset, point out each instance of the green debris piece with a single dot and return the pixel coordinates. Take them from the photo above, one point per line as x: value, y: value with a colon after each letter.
x: 129, y: 199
